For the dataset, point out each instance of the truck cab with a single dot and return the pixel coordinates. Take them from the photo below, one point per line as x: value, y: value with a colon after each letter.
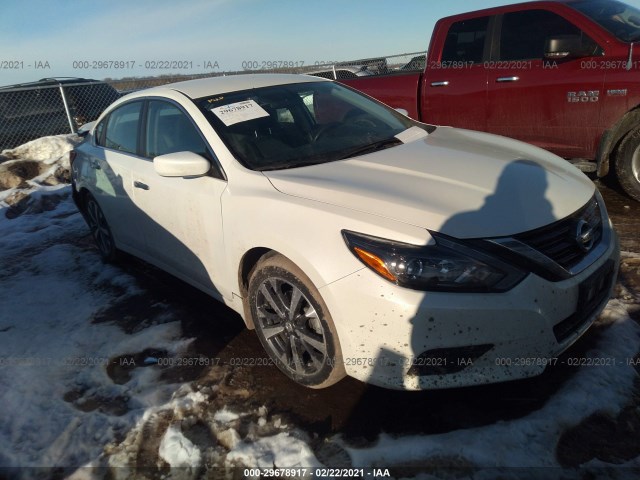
x: 562, y: 75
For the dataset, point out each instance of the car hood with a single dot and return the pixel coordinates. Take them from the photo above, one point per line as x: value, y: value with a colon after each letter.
x: 459, y: 182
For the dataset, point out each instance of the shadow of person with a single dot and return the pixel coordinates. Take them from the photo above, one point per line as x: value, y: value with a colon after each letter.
x: 518, y: 199
x: 517, y: 203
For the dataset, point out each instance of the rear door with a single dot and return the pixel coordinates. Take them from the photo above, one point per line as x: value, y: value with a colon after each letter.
x: 454, y: 89
x: 109, y: 167
x: 554, y: 104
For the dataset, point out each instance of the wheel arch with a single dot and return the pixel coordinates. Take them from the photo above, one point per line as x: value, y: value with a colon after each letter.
x: 247, y: 263
x: 612, y: 137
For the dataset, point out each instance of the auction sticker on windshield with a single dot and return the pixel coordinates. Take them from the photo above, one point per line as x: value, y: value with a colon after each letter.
x: 239, y: 112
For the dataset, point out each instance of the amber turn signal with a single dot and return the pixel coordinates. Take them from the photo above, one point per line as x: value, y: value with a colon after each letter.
x: 375, y: 262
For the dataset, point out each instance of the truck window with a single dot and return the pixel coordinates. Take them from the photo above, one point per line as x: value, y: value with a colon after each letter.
x: 465, y: 41
x: 524, y: 34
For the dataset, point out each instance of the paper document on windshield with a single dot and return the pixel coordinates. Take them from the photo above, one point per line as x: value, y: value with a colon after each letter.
x: 239, y: 112
x: 412, y: 134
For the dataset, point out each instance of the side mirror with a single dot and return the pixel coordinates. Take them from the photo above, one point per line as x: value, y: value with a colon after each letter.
x: 181, y: 164
x: 563, y: 46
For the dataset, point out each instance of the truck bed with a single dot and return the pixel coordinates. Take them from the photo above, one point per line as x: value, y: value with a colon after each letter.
x: 400, y: 90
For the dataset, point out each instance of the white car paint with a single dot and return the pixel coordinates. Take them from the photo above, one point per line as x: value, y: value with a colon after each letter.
x: 452, y: 181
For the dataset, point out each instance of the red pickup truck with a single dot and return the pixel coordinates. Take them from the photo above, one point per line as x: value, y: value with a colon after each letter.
x: 562, y: 75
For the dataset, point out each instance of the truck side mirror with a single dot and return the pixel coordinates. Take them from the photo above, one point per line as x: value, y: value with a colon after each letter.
x: 563, y: 46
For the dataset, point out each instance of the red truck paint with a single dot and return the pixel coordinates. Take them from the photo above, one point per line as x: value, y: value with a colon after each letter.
x: 579, y: 108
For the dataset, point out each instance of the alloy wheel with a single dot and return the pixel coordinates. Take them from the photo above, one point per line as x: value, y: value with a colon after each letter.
x: 291, y: 327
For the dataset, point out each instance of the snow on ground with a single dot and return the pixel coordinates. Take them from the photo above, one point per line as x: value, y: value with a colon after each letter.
x: 62, y: 408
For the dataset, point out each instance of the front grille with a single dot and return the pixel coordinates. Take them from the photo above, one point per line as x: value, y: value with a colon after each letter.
x: 558, y: 240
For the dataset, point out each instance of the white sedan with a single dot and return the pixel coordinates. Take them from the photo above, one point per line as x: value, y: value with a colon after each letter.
x: 354, y: 240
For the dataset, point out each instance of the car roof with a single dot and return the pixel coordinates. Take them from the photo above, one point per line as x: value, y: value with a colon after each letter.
x: 203, y: 87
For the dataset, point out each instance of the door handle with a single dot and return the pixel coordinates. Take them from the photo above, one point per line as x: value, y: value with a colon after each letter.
x: 440, y: 84
x: 142, y: 186
x: 507, y: 79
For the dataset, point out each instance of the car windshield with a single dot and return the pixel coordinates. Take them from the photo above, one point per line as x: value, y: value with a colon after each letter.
x: 619, y: 19
x: 293, y: 125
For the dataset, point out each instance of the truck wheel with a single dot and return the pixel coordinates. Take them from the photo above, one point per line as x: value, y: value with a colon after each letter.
x: 293, y: 323
x: 627, y: 164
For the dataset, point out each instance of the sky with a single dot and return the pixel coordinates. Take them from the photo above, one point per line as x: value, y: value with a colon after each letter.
x: 41, y: 38
x: 77, y: 33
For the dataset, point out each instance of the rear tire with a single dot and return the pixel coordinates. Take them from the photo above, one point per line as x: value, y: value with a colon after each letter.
x: 627, y: 164
x: 100, y: 229
x: 293, y: 323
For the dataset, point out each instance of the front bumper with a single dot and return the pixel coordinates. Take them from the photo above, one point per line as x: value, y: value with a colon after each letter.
x: 406, y: 339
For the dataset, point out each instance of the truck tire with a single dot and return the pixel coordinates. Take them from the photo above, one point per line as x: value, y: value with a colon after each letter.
x: 627, y: 164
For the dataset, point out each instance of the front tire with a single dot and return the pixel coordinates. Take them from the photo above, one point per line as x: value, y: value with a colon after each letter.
x: 100, y: 229
x: 293, y: 323
x: 627, y: 164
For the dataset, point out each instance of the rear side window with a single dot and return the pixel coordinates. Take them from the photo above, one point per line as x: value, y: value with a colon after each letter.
x: 122, y: 128
x: 465, y: 41
x: 524, y: 34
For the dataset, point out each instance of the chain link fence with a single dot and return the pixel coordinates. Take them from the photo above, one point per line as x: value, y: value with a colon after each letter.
x: 60, y: 105
x: 50, y: 107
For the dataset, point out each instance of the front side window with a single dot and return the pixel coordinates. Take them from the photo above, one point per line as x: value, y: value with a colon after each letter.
x: 465, y: 41
x: 524, y: 35
x: 616, y: 17
x: 288, y: 126
x: 121, y: 130
x: 169, y: 130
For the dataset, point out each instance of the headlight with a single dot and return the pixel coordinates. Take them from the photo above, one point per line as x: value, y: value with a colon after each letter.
x: 448, y: 266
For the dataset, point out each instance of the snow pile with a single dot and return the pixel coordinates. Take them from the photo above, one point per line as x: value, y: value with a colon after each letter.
x: 46, y: 149
x: 178, y: 451
x: 283, y: 450
x: 30, y: 178
x: 225, y: 416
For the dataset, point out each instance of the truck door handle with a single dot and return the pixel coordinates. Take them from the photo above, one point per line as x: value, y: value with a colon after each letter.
x: 440, y: 84
x: 507, y: 79
x: 141, y: 185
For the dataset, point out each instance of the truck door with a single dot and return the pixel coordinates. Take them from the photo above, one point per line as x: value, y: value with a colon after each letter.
x: 454, y: 89
x: 548, y: 101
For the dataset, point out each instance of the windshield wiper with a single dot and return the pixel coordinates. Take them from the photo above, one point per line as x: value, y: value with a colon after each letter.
x: 372, y: 147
